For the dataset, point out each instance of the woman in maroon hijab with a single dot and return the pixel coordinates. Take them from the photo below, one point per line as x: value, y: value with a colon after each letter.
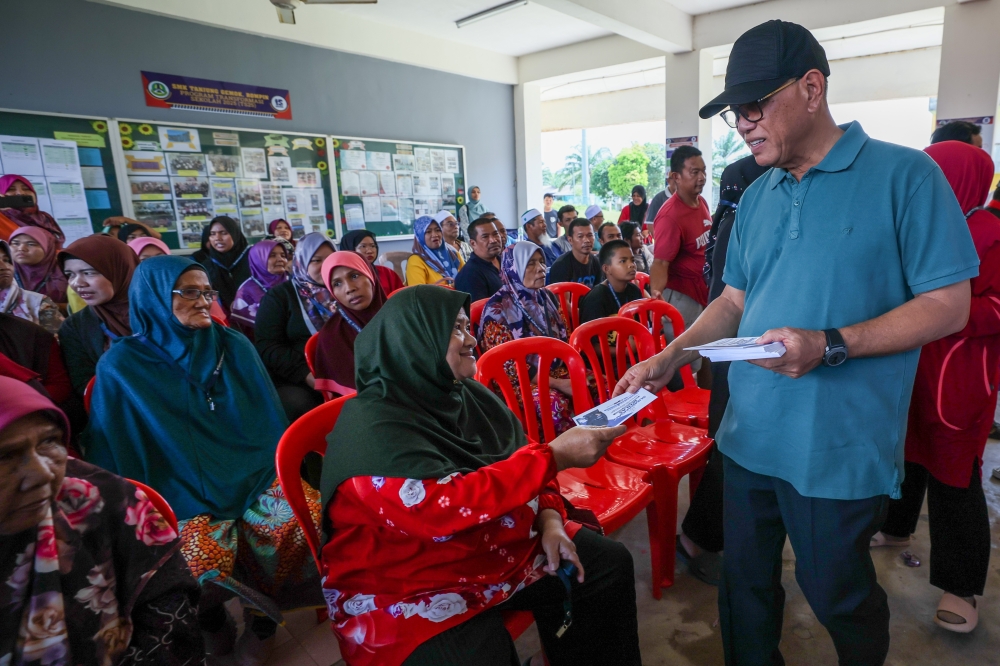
x: 951, y: 413
x: 358, y: 296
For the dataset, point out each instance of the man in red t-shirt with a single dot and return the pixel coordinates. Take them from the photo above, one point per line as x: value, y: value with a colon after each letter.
x: 680, y: 231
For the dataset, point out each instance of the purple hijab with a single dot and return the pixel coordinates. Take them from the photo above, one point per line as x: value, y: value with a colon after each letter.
x: 252, y: 291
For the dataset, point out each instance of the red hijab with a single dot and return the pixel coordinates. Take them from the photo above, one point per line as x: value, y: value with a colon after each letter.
x: 335, y: 346
x: 45, y: 277
x: 969, y: 171
x: 116, y: 261
x: 30, y: 217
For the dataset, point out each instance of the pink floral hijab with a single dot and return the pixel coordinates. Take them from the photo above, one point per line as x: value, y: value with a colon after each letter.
x: 68, y: 586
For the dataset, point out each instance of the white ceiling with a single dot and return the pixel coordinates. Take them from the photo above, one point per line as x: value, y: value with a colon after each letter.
x: 515, y: 32
x: 902, y: 32
x: 696, y: 7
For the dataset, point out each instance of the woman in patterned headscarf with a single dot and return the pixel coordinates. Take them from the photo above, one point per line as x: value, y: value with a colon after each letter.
x: 432, y: 261
x: 289, y: 314
x: 523, y: 308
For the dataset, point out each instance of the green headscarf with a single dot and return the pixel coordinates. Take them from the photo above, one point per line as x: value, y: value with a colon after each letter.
x: 411, y: 419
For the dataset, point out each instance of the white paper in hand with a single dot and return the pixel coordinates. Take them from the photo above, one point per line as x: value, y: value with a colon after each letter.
x: 739, y: 349
x: 615, y: 411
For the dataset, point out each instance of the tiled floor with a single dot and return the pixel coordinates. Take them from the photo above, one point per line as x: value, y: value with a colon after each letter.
x: 682, y: 628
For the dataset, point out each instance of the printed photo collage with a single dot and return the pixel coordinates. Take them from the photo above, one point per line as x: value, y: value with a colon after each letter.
x: 396, y: 187
x: 177, y: 184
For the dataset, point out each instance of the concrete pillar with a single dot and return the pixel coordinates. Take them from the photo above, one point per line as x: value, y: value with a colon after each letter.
x: 688, y: 86
x: 969, y: 81
x: 527, y: 148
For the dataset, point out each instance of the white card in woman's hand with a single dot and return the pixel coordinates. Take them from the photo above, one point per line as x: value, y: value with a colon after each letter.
x: 615, y: 411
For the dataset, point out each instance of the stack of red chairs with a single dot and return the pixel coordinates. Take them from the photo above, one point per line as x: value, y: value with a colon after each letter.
x: 614, y: 493
x: 667, y: 451
x: 690, y: 404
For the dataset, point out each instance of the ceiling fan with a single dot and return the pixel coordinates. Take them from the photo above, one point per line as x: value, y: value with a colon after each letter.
x: 286, y: 8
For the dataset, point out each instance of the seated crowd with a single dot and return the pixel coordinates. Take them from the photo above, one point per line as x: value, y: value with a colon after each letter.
x: 145, y: 395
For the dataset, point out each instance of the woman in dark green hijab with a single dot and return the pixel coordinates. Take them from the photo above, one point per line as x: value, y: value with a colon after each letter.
x: 185, y: 406
x: 437, y: 512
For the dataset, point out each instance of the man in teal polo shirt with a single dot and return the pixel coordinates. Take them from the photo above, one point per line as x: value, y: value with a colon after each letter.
x: 854, y: 253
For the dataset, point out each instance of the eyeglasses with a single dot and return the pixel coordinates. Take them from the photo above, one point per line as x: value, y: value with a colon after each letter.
x: 193, y: 294
x: 751, y: 112
x: 367, y: 246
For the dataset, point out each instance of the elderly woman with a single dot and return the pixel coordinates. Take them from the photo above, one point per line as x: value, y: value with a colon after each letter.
x: 432, y: 261
x: 99, y: 269
x: 146, y: 247
x: 357, y: 296
x: 268, y: 269
x: 364, y: 243
x: 93, y: 572
x: 35, y: 251
x: 27, y: 216
x: 523, y: 308
x: 185, y: 406
x: 289, y: 314
x: 439, y: 515
x: 34, y: 307
x: 226, y: 263
x: 280, y: 228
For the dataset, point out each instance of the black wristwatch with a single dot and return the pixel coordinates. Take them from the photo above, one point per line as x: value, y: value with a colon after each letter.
x: 836, y: 349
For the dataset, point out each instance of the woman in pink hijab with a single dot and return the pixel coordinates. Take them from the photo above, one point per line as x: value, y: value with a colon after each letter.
x: 35, y: 253
x: 147, y: 246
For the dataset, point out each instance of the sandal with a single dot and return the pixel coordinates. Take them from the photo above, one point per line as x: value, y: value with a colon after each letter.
x: 706, y: 567
x: 880, y: 541
x: 960, y: 607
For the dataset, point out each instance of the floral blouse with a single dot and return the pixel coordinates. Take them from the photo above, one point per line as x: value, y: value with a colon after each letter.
x: 99, y: 581
x: 411, y: 558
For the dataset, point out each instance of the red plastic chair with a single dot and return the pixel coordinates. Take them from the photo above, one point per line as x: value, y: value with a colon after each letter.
x: 641, y: 280
x: 310, y: 353
x: 690, y: 404
x: 156, y: 499
x: 476, y: 316
x: 88, y: 393
x: 615, y: 494
x: 667, y: 451
x: 220, y: 321
x: 308, y: 434
x: 569, y: 294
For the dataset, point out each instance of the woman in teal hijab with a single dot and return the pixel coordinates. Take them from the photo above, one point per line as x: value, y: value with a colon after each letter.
x: 186, y: 406
x: 438, y: 512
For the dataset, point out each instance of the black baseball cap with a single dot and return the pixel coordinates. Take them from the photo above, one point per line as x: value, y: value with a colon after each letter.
x: 763, y: 59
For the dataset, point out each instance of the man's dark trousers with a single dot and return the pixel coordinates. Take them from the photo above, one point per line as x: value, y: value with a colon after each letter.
x: 832, y: 566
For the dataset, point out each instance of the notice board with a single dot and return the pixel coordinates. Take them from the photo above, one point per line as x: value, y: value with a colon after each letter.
x: 70, y: 162
x: 180, y: 176
x: 384, y: 185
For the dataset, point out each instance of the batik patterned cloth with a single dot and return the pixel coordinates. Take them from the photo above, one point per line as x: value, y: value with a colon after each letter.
x: 262, y: 557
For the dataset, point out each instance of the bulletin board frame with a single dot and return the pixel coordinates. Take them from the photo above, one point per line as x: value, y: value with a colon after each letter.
x: 326, y: 181
x: 336, y: 142
x: 110, y: 169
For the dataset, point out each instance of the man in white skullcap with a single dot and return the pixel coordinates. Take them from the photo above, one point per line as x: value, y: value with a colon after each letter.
x: 533, y: 229
x: 451, y: 232
x: 596, y: 217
